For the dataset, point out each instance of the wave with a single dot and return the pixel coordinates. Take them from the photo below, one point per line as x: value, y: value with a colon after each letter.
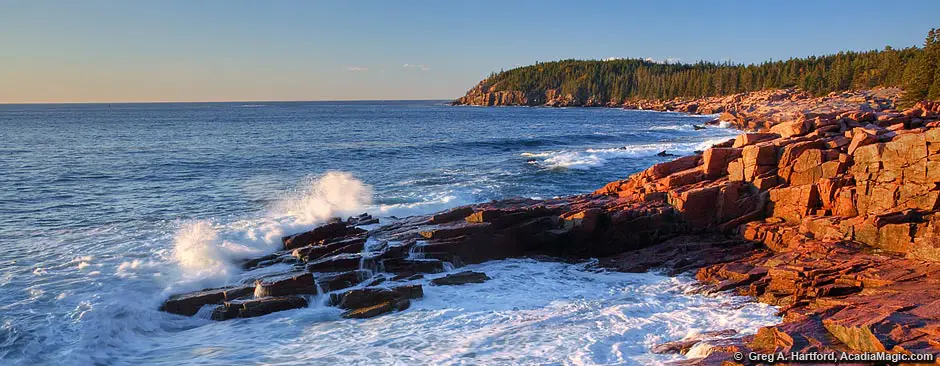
x: 205, y: 253
x: 530, y: 312
x: 596, y: 157
x: 439, y: 202
x: 683, y: 127
x: 513, y: 143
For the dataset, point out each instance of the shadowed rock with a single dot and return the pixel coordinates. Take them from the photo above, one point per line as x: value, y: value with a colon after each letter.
x: 286, y: 285
x: 370, y: 296
x: 257, y: 307
x: 189, y: 304
x: 378, y: 309
x: 461, y: 278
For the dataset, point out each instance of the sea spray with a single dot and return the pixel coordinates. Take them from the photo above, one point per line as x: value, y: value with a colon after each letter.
x: 334, y: 193
x: 207, y: 254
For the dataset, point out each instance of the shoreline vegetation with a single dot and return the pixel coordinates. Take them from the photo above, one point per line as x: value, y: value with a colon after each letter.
x: 631, y: 83
x: 827, y: 206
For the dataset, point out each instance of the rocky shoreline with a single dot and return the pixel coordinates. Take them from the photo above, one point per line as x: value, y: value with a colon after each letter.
x: 829, y: 211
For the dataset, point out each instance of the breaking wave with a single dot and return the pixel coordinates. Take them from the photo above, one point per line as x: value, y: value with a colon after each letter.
x: 206, y: 253
x: 592, y: 158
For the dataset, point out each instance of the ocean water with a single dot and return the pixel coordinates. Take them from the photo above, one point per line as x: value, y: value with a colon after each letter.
x: 108, y: 209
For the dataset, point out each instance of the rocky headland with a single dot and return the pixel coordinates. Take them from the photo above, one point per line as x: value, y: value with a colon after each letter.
x: 826, y: 208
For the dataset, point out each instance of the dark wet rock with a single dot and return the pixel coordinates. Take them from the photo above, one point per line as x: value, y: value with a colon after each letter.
x: 346, y: 262
x: 338, y: 281
x: 346, y: 245
x: 332, y: 230
x: 697, y: 127
x: 238, y: 292
x: 189, y: 304
x: 408, y: 277
x: 442, y: 256
x: 453, y: 231
x: 398, y: 304
x: 413, y: 265
x: 257, y: 307
x: 293, y: 284
x: 361, y: 220
x: 260, y: 261
x: 378, y: 280
x: 451, y: 215
x: 683, y: 346
x: 461, y: 278
x: 397, y: 250
x: 370, y: 296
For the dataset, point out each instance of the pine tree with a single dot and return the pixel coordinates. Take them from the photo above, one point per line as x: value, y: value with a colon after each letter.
x: 914, y: 69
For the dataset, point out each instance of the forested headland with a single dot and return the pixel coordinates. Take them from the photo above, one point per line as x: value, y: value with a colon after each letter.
x: 583, y: 82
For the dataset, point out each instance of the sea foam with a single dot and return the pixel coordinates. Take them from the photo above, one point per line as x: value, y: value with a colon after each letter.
x: 206, y: 253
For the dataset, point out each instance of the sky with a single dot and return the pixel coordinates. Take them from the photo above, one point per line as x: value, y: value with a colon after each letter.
x: 232, y: 50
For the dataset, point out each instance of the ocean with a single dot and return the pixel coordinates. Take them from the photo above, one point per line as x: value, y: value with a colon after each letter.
x: 108, y: 209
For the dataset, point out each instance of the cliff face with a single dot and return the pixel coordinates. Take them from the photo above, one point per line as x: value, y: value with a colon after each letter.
x: 486, y: 95
x: 831, y: 211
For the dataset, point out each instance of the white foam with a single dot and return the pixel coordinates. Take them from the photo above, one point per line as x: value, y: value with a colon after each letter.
x: 205, y: 253
x: 326, y: 196
x: 433, y: 204
x: 529, y: 312
x: 584, y: 159
x: 683, y: 127
x: 595, y: 157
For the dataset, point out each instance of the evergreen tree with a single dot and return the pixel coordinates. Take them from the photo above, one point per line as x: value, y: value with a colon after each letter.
x: 913, y: 69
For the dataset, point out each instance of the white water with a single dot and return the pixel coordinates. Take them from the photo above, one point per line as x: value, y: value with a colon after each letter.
x: 529, y: 313
x: 205, y: 253
x: 107, y: 223
x: 591, y: 158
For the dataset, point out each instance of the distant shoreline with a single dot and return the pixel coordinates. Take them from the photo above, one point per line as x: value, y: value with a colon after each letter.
x: 230, y: 102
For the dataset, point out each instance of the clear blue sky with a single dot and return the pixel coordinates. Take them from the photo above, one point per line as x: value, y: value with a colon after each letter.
x: 168, y: 50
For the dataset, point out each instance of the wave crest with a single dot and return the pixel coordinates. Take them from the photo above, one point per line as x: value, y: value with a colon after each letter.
x: 206, y: 254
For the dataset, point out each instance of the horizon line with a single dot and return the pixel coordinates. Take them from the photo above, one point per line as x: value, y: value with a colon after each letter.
x: 231, y: 101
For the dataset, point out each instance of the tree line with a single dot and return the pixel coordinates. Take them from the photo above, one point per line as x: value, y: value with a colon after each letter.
x: 915, y: 69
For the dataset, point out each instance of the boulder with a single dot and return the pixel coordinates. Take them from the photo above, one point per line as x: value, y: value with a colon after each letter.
x: 257, y: 307
x: 190, y: 303
x: 371, y: 296
x: 291, y: 284
x: 748, y: 139
x: 454, y: 231
x: 663, y: 169
x: 399, y: 304
x: 461, y: 278
x: 331, y: 230
x: 683, y: 346
x: 451, y: 215
x: 793, y: 203
x: 715, y: 161
x: 861, y: 138
x: 338, y: 281
x: 344, y: 262
x: 789, y: 129
x: 314, y: 252
x: 413, y: 265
